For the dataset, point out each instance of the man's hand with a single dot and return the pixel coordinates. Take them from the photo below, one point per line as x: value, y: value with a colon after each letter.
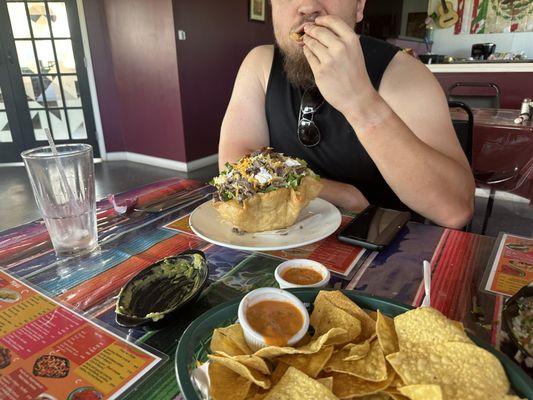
x: 334, y: 53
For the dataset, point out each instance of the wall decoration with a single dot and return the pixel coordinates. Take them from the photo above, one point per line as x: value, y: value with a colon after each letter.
x: 257, y: 10
x: 502, y: 16
x: 461, y: 12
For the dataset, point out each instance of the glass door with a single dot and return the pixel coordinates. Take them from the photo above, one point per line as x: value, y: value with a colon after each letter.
x: 10, y: 133
x: 47, y: 71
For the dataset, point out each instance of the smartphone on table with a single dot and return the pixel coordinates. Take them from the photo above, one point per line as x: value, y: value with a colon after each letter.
x: 374, y: 228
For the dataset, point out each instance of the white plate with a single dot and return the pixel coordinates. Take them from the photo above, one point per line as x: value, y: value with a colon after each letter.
x: 316, y: 222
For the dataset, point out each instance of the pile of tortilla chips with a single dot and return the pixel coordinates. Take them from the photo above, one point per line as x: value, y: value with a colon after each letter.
x: 354, y: 355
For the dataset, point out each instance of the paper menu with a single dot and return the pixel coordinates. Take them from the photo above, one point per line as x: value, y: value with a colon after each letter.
x: 340, y: 258
x: 511, y: 265
x: 47, y: 351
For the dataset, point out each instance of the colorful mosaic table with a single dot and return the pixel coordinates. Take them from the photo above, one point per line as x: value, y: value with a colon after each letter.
x: 132, y: 241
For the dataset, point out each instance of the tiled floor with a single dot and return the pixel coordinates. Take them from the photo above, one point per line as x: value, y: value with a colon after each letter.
x: 17, y: 205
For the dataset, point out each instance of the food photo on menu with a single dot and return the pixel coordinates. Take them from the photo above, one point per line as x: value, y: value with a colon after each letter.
x: 266, y: 200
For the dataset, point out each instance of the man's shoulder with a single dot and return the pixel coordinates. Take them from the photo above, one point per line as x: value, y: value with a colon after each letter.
x: 260, y: 57
x: 263, y: 51
x: 410, y: 88
x: 259, y: 62
x: 406, y: 71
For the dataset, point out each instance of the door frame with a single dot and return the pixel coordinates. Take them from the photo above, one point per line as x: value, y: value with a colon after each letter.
x: 91, y: 79
x: 26, y: 138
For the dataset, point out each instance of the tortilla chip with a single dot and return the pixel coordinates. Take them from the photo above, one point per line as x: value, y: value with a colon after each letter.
x: 249, y: 360
x: 386, y: 334
x: 396, y: 396
x: 327, y: 382
x: 422, y: 392
x: 303, y: 341
x: 309, y: 364
x: 256, y: 393
x: 295, y: 385
x: 278, y: 373
x: 371, y: 368
x: 226, y: 384
x: 347, y: 386
x: 230, y: 340
x: 249, y: 373
x: 256, y: 396
x: 328, y: 339
x: 339, y: 300
x: 397, y: 382
x: 426, y: 327
x: 297, y: 37
x: 377, y: 396
x: 331, y: 316
x: 357, y: 351
x: 272, y: 210
x: 462, y: 370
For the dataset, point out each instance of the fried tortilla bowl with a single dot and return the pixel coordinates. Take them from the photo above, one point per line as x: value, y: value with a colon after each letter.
x: 269, y: 211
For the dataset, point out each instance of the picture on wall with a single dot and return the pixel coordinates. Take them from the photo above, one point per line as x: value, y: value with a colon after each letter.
x: 257, y: 10
x: 502, y: 16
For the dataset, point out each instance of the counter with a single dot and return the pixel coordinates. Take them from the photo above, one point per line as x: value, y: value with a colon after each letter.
x: 482, y: 67
x: 515, y: 80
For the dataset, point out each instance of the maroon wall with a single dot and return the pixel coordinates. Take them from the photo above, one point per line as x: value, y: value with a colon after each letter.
x: 143, y: 49
x: 219, y: 35
x: 136, y: 72
x: 514, y: 86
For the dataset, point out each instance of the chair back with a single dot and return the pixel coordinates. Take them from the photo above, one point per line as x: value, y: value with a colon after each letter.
x: 488, y: 94
x: 464, y: 129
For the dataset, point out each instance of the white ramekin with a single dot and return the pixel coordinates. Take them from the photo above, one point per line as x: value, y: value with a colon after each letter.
x: 302, y: 263
x: 255, y: 340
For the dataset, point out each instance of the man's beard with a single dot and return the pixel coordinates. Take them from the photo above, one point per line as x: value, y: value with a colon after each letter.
x: 297, y: 69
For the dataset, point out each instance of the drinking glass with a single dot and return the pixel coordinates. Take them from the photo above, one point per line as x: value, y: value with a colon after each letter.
x: 63, y: 186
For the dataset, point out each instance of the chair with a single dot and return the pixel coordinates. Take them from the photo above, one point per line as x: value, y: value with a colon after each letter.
x: 483, y: 100
x: 465, y: 134
x: 464, y: 129
x: 479, y: 100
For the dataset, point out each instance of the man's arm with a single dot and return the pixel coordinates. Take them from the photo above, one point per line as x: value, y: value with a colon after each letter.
x: 412, y: 140
x: 343, y: 195
x: 405, y: 128
x: 245, y: 128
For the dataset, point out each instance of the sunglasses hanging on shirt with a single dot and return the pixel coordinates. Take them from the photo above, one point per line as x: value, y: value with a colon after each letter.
x: 308, y: 132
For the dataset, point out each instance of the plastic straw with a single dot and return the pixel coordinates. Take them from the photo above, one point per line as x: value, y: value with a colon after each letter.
x: 427, y: 284
x: 62, y: 176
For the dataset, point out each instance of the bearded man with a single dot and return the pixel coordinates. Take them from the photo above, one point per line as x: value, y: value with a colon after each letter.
x: 369, y: 118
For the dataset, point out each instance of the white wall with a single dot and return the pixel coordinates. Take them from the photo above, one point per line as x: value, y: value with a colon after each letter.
x: 411, y: 6
x: 445, y: 42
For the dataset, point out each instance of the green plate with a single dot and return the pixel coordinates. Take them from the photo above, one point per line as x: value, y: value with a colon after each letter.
x: 193, y: 346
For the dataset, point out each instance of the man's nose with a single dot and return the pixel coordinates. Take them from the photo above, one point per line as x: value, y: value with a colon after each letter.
x: 310, y: 9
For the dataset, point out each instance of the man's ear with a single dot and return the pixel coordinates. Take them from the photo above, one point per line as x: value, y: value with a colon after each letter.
x: 360, y: 8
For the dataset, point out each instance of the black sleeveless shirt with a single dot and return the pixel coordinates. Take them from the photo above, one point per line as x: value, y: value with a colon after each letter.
x: 339, y: 156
